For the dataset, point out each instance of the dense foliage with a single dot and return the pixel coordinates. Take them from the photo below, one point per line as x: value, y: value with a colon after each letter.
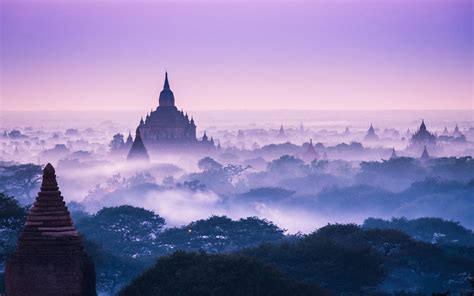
x: 12, y: 219
x: 124, y: 230
x: 20, y: 180
x: 202, y: 274
x: 220, y: 234
x: 320, y: 259
x: 432, y: 230
x: 112, y: 271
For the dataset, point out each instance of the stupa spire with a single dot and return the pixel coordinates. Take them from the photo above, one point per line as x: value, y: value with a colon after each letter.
x: 423, y: 125
x: 166, y: 95
x: 167, y: 84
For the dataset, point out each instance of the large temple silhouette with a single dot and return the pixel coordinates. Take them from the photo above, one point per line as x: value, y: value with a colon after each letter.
x: 168, y: 128
x: 423, y: 139
x: 422, y: 136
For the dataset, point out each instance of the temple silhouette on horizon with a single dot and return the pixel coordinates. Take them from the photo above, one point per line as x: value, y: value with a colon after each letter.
x: 167, y: 128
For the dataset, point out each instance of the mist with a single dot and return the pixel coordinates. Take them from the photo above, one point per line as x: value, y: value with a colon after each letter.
x: 262, y: 168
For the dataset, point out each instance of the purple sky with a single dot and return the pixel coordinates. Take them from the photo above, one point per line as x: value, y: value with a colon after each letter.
x: 110, y: 55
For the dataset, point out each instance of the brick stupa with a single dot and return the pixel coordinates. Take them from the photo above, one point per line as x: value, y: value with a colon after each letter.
x: 49, y: 258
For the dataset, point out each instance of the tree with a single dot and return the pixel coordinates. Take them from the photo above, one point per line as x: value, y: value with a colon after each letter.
x: 117, y: 143
x: 220, y: 234
x: 209, y: 164
x: 20, y: 180
x: 112, y: 271
x: 340, y: 268
x: 219, y: 275
x: 287, y: 165
x: 12, y: 219
x: 124, y: 230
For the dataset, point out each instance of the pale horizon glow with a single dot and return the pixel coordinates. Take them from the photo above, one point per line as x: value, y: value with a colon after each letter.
x: 263, y: 55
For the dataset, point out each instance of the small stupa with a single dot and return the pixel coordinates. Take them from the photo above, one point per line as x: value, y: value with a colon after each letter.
x: 281, y: 132
x: 394, y: 154
x: 138, y: 151
x: 425, y: 155
x: 310, y: 154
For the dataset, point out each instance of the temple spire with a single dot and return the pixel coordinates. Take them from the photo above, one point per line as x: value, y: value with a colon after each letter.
x: 167, y: 84
x: 166, y: 95
x: 423, y: 125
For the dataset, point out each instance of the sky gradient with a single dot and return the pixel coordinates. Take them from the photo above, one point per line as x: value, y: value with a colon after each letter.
x: 348, y: 55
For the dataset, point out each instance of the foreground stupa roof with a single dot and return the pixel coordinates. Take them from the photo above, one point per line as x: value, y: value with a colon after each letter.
x: 49, y: 258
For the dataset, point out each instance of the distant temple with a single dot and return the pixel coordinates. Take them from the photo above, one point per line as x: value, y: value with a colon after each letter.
x: 167, y: 127
x: 425, y: 155
x: 129, y: 142
x: 346, y: 132
x: 371, y: 135
x: 281, y: 132
x: 138, y: 151
x: 445, y: 131
x: 456, y: 132
x: 49, y: 258
x: 423, y: 137
x: 310, y: 154
x: 394, y: 154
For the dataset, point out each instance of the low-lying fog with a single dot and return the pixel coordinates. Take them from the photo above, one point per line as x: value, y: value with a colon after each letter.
x: 259, y: 171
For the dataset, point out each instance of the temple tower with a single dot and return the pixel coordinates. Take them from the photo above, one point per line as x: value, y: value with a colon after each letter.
x: 166, y: 95
x: 49, y: 258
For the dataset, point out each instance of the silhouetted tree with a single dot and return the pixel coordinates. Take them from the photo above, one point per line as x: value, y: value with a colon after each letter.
x: 20, y: 180
x: 219, y: 275
x: 124, y: 230
x: 12, y: 219
x: 209, y: 164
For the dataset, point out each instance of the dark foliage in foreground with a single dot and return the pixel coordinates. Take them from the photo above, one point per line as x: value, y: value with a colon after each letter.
x: 368, y: 260
x: 321, y: 259
x: 202, y: 274
x: 20, y: 180
x: 112, y: 271
x: 12, y: 219
x: 432, y: 230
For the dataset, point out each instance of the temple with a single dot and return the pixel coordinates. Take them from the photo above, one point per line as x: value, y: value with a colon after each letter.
x: 310, y: 154
x: 167, y: 127
x: 49, y: 258
x: 425, y: 155
x: 138, y: 151
x: 371, y: 135
x: 457, y: 132
x: 423, y: 137
x: 129, y: 141
x: 394, y: 154
x: 281, y: 132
